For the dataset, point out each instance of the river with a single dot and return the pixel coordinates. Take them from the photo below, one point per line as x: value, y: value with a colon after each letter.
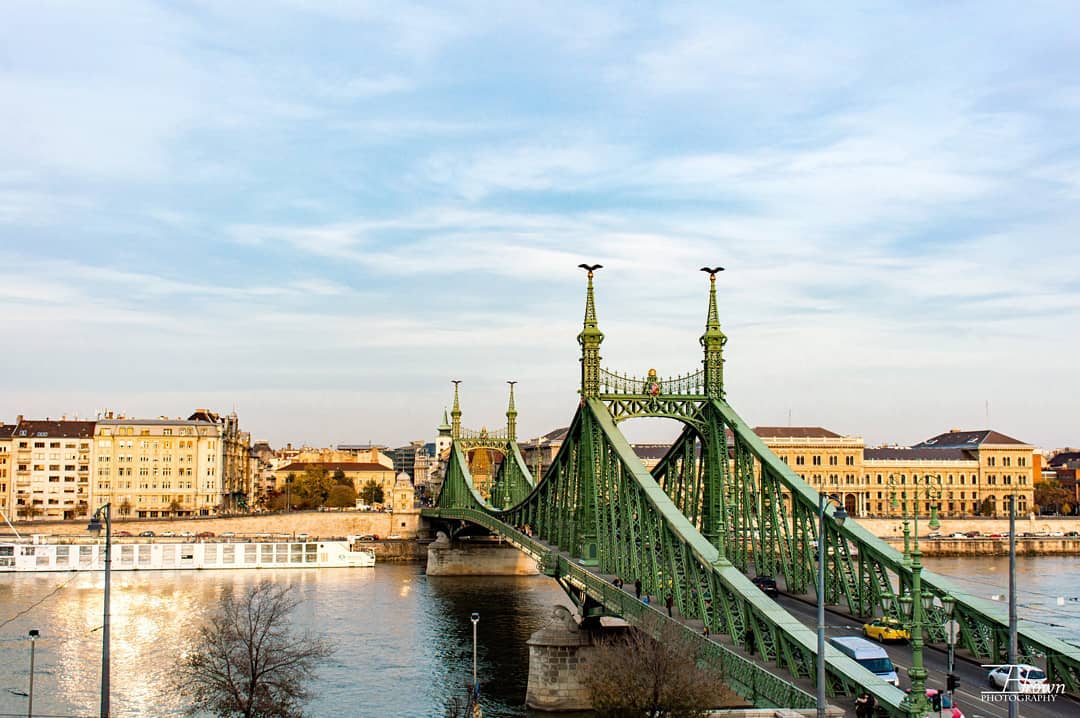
x: 403, y: 640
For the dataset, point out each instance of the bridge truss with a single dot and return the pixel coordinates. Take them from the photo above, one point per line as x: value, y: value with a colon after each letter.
x: 717, y: 507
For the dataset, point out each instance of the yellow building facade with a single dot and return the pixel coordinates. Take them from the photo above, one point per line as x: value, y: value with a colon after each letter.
x: 49, y: 468
x: 151, y: 468
x: 977, y: 471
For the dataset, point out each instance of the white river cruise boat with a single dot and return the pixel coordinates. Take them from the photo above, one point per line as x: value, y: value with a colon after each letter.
x: 59, y: 553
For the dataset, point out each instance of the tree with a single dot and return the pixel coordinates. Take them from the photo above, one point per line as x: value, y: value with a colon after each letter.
x: 1050, y: 495
x: 175, y: 507
x: 987, y: 508
x: 372, y: 493
x: 312, y: 488
x: 246, y: 663
x: 340, y: 479
x: 668, y: 680
x: 125, y: 508
x: 341, y: 497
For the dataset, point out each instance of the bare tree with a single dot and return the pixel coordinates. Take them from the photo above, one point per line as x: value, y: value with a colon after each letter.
x: 635, y: 675
x: 246, y: 663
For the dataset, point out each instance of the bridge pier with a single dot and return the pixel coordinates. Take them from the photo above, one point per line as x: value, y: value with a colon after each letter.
x: 477, y: 558
x: 558, y: 658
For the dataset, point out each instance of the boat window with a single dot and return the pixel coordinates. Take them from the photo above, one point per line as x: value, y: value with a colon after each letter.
x: 282, y: 553
x: 28, y: 550
x: 168, y: 555
x: 8, y: 550
x: 297, y: 553
x: 311, y: 551
x: 228, y: 554
x: 85, y: 554
x: 43, y: 559
x: 127, y: 554
x: 187, y: 552
x: 251, y: 554
x: 210, y: 552
x: 144, y: 555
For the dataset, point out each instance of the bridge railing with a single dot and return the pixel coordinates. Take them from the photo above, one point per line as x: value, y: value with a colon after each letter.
x: 691, y: 384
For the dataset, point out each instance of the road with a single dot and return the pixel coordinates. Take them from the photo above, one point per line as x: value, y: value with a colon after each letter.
x: 972, y: 676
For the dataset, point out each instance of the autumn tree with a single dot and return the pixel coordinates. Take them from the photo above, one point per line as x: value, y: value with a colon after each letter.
x: 668, y: 679
x: 1050, y: 495
x: 340, y: 479
x: 246, y: 662
x: 312, y: 487
x: 341, y: 497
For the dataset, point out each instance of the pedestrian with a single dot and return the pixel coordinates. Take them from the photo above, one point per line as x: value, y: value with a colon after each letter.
x: 864, y: 705
x: 637, y: 588
x: 669, y: 601
x: 705, y: 630
x: 617, y: 583
x: 646, y: 599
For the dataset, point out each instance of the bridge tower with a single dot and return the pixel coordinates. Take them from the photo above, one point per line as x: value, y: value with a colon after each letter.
x: 590, y: 339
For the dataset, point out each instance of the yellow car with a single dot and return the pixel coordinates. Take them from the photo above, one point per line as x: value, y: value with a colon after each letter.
x: 886, y: 629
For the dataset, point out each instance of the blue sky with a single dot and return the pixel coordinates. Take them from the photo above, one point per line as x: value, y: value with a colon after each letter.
x: 320, y: 213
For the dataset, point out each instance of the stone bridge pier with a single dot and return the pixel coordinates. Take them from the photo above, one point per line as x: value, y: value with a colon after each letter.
x: 477, y: 556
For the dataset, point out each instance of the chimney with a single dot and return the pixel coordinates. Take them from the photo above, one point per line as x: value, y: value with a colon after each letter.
x: 18, y: 419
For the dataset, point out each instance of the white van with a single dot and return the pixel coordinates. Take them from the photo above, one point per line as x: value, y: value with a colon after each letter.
x: 869, y: 655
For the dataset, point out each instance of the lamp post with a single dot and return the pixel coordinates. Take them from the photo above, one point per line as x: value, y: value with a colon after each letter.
x: 917, y: 604
x: 475, y: 685
x: 894, y: 503
x: 95, y: 527
x: 838, y: 516
x: 949, y: 604
x: 1013, y: 706
x: 288, y: 493
x: 33, y: 639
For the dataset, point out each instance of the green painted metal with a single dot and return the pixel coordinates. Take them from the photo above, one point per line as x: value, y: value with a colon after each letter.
x: 719, y: 506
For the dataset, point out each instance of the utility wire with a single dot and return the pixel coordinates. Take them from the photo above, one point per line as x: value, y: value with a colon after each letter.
x: 37, y: 603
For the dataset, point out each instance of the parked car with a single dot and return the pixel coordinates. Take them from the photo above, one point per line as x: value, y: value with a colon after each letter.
x: 187, y: 534
x: 169, y: 534
x: 767, y: 584
x: 301, y: 537
x: 1072, y: 533
x: 933, y: 535
x: 226, y: 534
x: 958, y: 536
x: 886, y: 629
x: 121, y: 533
x: 973, y: 534
x: 394, y: 536
x: 1022, y: 678
x: 206, y: 534
x: 368, y: 537
x: 146, y: 533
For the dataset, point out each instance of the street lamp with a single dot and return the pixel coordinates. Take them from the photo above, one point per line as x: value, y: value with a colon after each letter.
x: 288, y: 493
x: 33, y: 639
x: 917, y: 604
x: 95, y: 527
x: 948, y: 603
x: 475, y: 684
x: 838, y: 516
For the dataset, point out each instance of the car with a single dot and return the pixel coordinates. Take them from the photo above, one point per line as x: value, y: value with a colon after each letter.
x: 227, y: 534
x: 394, y: 536
x: 1021, y: 678
x: 870, y: 656
x: 996, y: 536
x: 886, y: 629
x: 1057, y: 534
x: 122, y: 533
x: 205, y: 534
x: 168, y: 534
x: 933, y: 535
x: 301, y: 537
x: 368, y: 537
x: 958, y: 536
x: 146, y: 533
x: 973, y: 534
x: 1072, y: 533
x: 767, y: 584
x: 187, y: 534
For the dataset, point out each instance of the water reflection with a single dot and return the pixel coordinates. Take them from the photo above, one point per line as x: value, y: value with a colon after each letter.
x: 404, y: 641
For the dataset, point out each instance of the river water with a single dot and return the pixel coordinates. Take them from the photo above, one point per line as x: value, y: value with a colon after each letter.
x: 403, y: 640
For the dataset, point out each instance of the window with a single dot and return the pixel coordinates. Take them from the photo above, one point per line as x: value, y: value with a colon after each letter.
x: 816, y: 461
x: 1006, y: 461
x: 990, y: 461
x: 849, y: 460
x: 1022, y: 461
x: 834, y: 460
x: 799, y: 460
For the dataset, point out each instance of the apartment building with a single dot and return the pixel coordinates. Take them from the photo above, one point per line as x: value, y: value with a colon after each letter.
x: 48, y: 466
x: 150, y: 468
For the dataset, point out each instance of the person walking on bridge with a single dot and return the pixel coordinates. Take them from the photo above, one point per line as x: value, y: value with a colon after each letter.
x: 864, y: 705
x: 669, y: 601
x: 637, y: 588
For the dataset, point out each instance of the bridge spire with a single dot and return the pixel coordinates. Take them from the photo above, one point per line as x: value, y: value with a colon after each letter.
x: 511, y: 415
x: 713, y: 341
x: 455, y: 414
x: 590, y: 339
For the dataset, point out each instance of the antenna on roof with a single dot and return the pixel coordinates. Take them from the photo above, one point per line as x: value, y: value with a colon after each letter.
x: 987, y: 413
x: 789, y: 416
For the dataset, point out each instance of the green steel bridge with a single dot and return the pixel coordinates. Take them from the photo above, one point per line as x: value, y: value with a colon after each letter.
x: 719, y: 506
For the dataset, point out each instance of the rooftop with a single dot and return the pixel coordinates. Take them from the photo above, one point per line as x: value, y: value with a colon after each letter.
x: 58, y: 429
x: 957, y: 439
x: 795, y: 432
